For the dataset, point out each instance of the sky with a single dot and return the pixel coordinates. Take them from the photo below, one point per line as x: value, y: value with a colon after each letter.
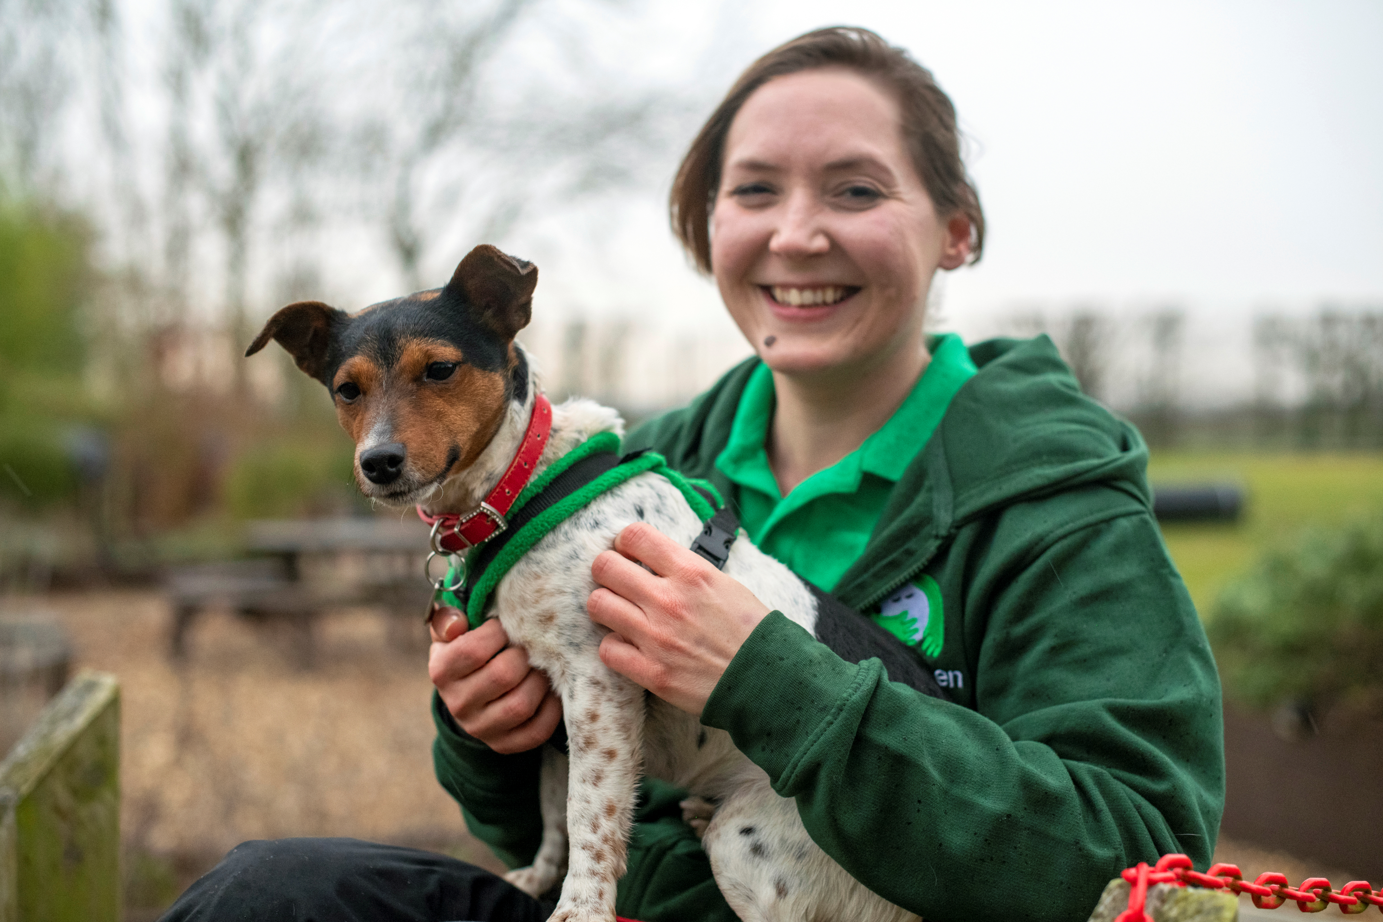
x: 1225, y: 157
x: 1221, y: 156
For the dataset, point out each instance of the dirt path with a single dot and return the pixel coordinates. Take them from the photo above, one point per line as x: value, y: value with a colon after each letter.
x: 237, y: 743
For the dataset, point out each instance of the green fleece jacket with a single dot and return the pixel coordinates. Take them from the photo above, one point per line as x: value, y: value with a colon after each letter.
x: 1084, y: 734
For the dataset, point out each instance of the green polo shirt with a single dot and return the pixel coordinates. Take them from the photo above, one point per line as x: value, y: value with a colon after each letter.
x: 821, y: 527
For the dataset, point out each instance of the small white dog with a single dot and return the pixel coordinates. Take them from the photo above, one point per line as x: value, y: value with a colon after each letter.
x: 441, y: 401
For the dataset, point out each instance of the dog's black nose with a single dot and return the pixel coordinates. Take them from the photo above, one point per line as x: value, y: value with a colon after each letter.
x: 384, y: 463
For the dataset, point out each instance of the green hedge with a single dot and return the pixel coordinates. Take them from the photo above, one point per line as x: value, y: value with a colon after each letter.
x: 289, y: 478
x: 1306, y: 624
x: 35, y: 472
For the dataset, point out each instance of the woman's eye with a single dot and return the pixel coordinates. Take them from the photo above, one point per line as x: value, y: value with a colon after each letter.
x: 859, y: 194
x: 348, y: 391
x: 751, y: 190
x: 440, y: 371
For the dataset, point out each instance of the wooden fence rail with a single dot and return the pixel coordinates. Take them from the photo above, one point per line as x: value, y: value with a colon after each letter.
x: 60, y: 810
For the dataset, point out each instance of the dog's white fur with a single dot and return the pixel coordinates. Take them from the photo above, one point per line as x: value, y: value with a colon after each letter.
x: 764, y: 861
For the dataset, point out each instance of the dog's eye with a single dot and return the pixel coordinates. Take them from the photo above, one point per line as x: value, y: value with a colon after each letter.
x: 348, y: 391
x: 440, y: 371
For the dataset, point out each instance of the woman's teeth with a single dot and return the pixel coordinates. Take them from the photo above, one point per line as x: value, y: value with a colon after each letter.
x: 798, y: 297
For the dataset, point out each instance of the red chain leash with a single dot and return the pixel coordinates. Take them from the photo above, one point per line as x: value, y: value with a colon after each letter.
x: 1269, y: 891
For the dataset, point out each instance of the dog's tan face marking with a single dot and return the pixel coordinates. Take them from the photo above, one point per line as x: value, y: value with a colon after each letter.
x: 414, y: 427
x: 440, y: 408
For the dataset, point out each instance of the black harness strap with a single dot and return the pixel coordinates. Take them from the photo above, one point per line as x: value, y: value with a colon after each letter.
x: 561, y: 486
x: 855, y: 638
x: 717, y: 534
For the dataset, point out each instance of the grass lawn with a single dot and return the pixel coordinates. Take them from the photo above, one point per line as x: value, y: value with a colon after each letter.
x: 1286, y: 493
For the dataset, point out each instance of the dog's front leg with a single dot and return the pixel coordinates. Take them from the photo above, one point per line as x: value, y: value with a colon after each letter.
x: 605, y: 717
x: 551, y: 861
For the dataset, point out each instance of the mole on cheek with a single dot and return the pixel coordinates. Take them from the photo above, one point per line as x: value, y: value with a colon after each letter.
x: 770, y: 340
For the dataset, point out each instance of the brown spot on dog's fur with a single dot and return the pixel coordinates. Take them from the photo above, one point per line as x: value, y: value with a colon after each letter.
x: 780, y: 888
x: 610, y: 754
x: 595, y: 824
x: 593, y: 716
x: 611, y: 808
x: 597, y: 777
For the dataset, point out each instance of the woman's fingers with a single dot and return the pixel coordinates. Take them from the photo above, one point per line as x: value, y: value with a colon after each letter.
x: 466, y: 652
x: 489, y: 687
x: 662, y: 555
x: 609, y: 608
x: 509, y: 710
x: 676, y: 628
x: 446, y: 624
x: 535, y: 731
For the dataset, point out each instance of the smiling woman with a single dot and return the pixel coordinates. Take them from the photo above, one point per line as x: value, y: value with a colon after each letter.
x: 971, y: 501
x: 824, y: 243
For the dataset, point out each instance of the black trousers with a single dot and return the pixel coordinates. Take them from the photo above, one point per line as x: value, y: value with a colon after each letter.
x: 347, y: 880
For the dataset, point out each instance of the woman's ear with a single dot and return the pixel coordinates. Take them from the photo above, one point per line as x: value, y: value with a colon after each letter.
x: 956, y: 250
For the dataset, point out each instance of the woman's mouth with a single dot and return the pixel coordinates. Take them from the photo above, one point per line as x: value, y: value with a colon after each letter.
x: 818, y: 296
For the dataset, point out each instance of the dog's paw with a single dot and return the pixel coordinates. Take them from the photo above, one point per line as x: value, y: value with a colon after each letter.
x: 697, y: 813
x: 531, y: 881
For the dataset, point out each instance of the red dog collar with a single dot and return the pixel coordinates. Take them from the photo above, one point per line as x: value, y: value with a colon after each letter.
x: 453, y: 533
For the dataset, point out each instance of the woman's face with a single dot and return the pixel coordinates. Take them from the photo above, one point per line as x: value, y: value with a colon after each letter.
x: 823, y: 239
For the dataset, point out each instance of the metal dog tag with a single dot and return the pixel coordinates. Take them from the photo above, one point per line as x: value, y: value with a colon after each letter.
x: 446, y: 588
x: 433, y: 604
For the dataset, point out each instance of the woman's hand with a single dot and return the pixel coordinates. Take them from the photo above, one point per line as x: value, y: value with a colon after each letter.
x: 675, y: 629
x: 488, y: 686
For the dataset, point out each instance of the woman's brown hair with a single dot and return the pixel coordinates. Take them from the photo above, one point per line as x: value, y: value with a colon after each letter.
x: 929, y: 130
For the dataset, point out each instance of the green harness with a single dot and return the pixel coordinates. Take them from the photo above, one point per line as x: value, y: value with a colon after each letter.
x: 471, y: 581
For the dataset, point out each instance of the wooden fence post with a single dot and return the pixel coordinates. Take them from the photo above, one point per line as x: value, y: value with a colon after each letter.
x: 60, y: 810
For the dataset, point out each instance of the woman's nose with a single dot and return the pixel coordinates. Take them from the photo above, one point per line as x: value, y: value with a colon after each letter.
x: 799, y: 231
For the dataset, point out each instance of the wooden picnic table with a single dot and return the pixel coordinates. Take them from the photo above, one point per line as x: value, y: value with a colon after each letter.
x: 302, y: 569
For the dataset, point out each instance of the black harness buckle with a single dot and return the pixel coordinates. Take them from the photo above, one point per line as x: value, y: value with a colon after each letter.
x: 716, y: 537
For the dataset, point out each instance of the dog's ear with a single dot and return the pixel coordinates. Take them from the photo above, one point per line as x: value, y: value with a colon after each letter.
x: 498, y: 286
x: 305, y: 330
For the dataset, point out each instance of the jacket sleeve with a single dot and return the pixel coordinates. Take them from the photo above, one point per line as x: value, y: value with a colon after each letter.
x: 1096, y: 740
x: 498, y: 793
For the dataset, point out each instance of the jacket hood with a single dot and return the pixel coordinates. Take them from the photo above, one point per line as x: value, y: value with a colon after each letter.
x: 1019, y: 430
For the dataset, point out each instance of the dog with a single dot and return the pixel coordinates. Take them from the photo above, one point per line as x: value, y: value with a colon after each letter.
x: 438, y: 397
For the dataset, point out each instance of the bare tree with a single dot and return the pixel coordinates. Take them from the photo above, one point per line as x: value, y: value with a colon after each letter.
x: 1160, y: 388
x: 426, y: 128
x: 36, y: 83
x: 481, y: 148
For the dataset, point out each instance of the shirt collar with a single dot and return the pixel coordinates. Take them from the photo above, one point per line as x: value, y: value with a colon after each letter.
x: 886, y: 453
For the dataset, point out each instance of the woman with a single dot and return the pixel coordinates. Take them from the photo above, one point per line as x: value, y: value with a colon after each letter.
x: 970, y: 500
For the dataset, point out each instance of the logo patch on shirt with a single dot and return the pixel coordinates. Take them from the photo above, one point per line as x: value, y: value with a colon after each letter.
x: 914, y: 615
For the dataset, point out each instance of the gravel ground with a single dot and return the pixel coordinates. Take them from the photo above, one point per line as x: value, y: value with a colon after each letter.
x: 239, y: 743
